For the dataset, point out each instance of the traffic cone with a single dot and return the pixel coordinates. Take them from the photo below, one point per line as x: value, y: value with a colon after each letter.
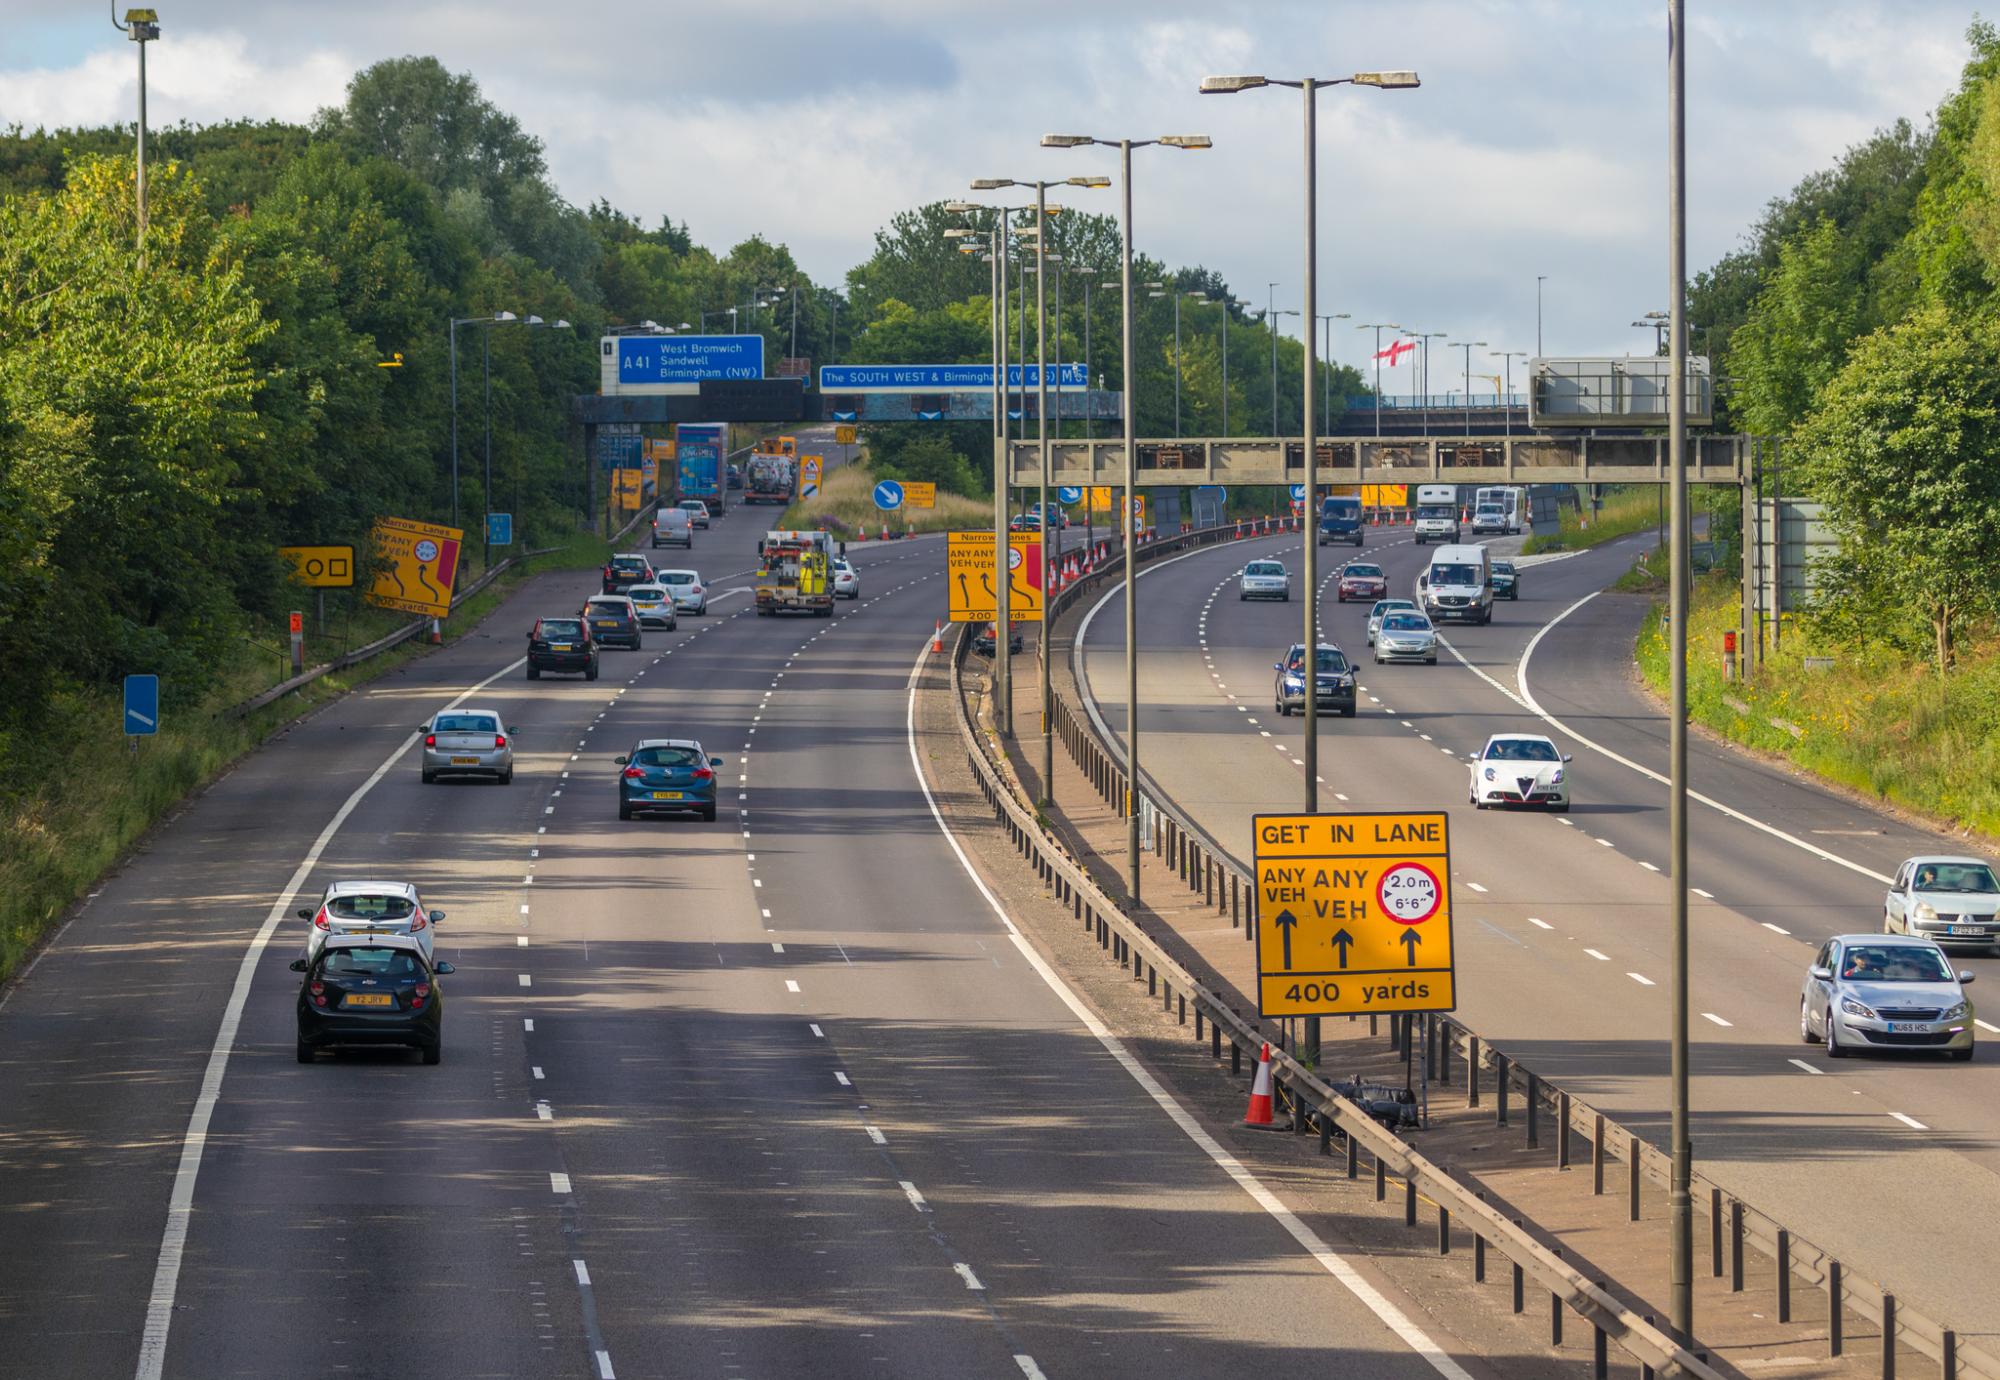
x: 1259, y: 1113
x: 861, y: 534
x: 437, y: 633
x: 885, y: 531
x: 937, y: 639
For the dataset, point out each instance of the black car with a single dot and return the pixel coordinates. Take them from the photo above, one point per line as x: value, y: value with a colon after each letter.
x: 371, y: 989
x: 1506, y: 580
x: 1333, y: 681
x: 625, y: 571
x: 561, y: 644
x: 612, y: 620
x: 982, y: 641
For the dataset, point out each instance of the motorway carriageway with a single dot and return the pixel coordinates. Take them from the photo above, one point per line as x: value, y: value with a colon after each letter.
x: 1562, y: 929
x: 780, y: 1094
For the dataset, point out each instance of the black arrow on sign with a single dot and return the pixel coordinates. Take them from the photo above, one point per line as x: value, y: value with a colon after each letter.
x: 1341, y: 939
x: 1285, y: 920
x: 1409, y: 940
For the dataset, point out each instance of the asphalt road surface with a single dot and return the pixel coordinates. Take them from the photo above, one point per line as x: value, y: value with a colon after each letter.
x: 1562, y: 928
x: 780, y: 1094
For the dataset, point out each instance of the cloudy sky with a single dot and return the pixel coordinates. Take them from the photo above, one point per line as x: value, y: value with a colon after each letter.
x: 1535, y: 147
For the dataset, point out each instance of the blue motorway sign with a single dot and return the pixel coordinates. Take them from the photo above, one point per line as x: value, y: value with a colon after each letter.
x: 1070, y: 493
x: 930, y: 416
x: 888, y: 495
x: 142, y: 705
x: 689, y: 358
x: 843, y: 416
x: 499, y: 529
x: 1298, y: 493
x: 940, y: 378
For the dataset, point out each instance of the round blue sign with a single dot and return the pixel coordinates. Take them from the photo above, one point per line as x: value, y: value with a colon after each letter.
x: 888, y: 495
x: 1070, y: 493
x: 1298, y: 493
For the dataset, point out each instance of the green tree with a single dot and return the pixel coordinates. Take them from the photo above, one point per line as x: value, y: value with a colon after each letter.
x: 1797, y: 333
x: 1905, y: 452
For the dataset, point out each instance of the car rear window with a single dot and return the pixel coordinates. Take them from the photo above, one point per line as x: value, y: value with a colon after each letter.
x: 601, y: 604
x: 465, y: 723
x: 359, y: 907
x: 375, y: 963
x: 628, y: 564
x: 677, y: 577
x: 667, y: 757
x: 561, y: 627
x: 646, y: 592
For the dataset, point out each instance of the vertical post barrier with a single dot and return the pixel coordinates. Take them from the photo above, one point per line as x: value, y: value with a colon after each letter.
x: 1471, y: 1070
x: 1784, y: 1267
x: 1478, y: 1258
x: 1715, y: 1233
x: 1634, y: 1149
x: 1409, y: 1200
x: 1533, y: 1098
x: 1833, y: 1308
x: 1735, y: 1247
x: 1500, y: 1081
x: 1562, y: 1130
x: 1888, y: 1336
x: 1353, y: 1156
x: 1597, y: 1156
x: 1444, y: 1230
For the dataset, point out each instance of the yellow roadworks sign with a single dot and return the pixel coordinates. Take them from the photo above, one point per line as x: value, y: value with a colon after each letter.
x: 423, y: 561
x: 1353, y: 914
x: 969, y: 565
x: 919, y: 495
x: 843, y: 435
x: 321, y: 567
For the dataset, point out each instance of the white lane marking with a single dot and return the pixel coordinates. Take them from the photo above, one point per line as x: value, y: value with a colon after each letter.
x: 1706, y: 896
x: 521, y: 941
x: 1992, y: 1029
x: 776, y: 947
x: 1641, y: 979
x: 1029, y: 1370
x: 604, y: 1371
x: 818, y: 1034
x: 537, y: 1071
x: 526, y: 981
x: 841, y: 1079
x: 1527, y: 699
x: 965, y: 1273
x: 916, y: 1198
x: 528, y: 1024
x: 1800, y: 1063
x: 876, y: 1135
x: 1910, y: 1122
x: 582, y: 1273
x: 1607, y: 843
x: 1648, y: 866
x: 558, y: 1183
x: 1336, y: 795
x: 524, y: 910
x: 1775, y: 929
x: 767, y: 913
x: 759, y: 881
x: 1711, y: 1016
x: 1541, y: 923
x: 544, y: 1112
x: 1335, y: 1264
x: 791, y: 986
x: 1601, y: 958
x: 1476, y: 886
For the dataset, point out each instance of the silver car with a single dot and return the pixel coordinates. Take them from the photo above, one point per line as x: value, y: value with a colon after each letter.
x: 1265, y: 580
x: 468, y: 742
x: 362, y: 908
x: 1406, y: 635
x: 1384, y: 607
x: 1875, y: 991
x: 654, y: 605
x: 1952, y: 900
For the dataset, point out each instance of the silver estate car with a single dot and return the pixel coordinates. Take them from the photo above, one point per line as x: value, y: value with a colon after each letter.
x: 1952, y: 900
x: 1406, y: 635
x: 1879, y: 991
x: 1265, y: 580
x: 468, y: 742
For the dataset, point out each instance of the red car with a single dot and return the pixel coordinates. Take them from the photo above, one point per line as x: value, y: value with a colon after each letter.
x: 1359, y: 580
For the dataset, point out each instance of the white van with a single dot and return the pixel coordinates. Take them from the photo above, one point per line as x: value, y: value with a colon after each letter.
x: 1458, y: 584
x: 1437, y: 513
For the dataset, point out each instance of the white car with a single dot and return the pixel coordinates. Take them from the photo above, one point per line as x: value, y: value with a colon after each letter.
x: 1384, y: 607
x: 369, y: 908
x: 690, y: 594
x: 1951, y: 900
x: 846, y: 582
x: 1406, y: 635
x: 696, y: 510
x: 1265, y: 580
x: 1519, y: 769
x: 655, y: 607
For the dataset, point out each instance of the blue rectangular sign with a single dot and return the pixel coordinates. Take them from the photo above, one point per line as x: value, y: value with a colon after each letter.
x: 689, y: 358
x: 142, y: 705
x: 499, y: 529
x: 942, y: 378
x: 616, y: 451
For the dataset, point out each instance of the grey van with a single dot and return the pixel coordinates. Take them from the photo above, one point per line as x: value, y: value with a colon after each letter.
x: 673, y: 527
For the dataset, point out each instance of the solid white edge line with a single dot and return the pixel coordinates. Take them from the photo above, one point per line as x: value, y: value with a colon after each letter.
x: 180, y: 1203
x: 1330, y: 1260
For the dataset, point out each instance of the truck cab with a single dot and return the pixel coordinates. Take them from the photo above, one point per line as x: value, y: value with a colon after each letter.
x: 1340, y: 520
x: 795, y: 573
x: 1437, y: 514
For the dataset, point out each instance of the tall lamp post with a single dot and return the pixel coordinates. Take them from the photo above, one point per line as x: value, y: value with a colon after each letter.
x: 1467, y: 346
x: 1378, y: 327
x: 1424, y: 339
x: 452, y: 334
x: 1309, y: 307
x: 142, y: 27
x: 1271, y: 324
x: 1326, y: 364
x: 1177, y: 295
x: 1128, y: 519
x: 1540, y: 278
x: 1507, y: 398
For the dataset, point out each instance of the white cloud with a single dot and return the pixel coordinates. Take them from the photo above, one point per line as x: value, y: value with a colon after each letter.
x: 199, y: 77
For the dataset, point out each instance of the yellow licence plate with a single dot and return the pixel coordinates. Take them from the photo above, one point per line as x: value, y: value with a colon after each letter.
x: 559, y: 646
x: 667, y: 795
x: 370, y: 999
x: 465, y: 761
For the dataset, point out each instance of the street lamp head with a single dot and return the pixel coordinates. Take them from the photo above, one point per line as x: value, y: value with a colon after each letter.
x: 1094, y: 180
x: 505, y: 316
x: 1342, y: 316
x: 1187, y: 141
x: 959, y: 208
x: 650, y: 324
x: 534, y: 321
x: 560, y: 325
x: 1387, y: 81
x: 1226, y: 86
x: 959, y: 233
x: 990, y: 184
x: 1066, y: 141
x: 142, y: 26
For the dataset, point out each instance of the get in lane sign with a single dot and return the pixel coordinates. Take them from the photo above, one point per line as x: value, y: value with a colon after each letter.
x: 1354, y: 914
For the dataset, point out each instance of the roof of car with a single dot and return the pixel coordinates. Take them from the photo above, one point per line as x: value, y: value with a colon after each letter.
x: 1521, y: 738
x: 609, y: 599
x: 1877, y: 937
x: 373, y: 941
x: 666, y: 742
x: 1923, y: 858
x: 632, y: 556
x: 372, y: 889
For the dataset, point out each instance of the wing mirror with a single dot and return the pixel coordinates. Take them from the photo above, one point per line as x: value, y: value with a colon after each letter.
x: 1820, y: 972
x: 305, y: 912
x: 512, y: 729
x: 1566, y: 757
x: 1277, y: 666
x: 620, y: 760
x: 1967, y: 979
x: 436, y: 916
x: 298, y: 965
x: 443, y: 969
x: 715, y: 761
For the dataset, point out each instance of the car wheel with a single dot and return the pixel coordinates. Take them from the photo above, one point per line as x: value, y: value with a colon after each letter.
x: 1240, y: 598
x: 1961, y: 1055
x: 1430, y: 661
x: 534, y: 671
x: 433, y: 1055
x: 305, y: 1052
x: 1806, y: 1035
x: 507, y: 777
x: 429, y: 776
x: 1834, y: 1048
x: 708, y: 813
x: 1561, y: 808
x: 590, y: 673
x: 624, y: 811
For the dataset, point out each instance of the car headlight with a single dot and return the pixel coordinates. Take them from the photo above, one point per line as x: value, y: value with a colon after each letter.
x: 1557, y: 778
x: 1957, y: 1013
x: 1489, y: 773
x: 1855, y: 1008
x: 1293, y: 682
x: 1925, y: 911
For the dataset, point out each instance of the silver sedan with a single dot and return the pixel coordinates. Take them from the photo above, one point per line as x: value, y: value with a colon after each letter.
x: 1265, y: 580
x: 1406, y: 635
x: 468, y: 742
x: 1879, y: 991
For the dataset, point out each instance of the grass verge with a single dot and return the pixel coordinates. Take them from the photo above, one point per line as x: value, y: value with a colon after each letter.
x: 95, y: 797
x: 1623, y: 513
x: 846, y: 502
x: 1873, y: 721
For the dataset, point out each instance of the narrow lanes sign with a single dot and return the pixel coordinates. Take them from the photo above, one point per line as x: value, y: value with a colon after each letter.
x: 1354, y: 914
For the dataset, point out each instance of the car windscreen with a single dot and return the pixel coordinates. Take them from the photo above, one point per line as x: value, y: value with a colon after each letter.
x: 1364, y: 572
x: 1492, y: 508
x: 370, y: 908
x: 375, y: 963
x: 1522, y: 750
x: 1263, y: 568
x: 1893, y: 963
x: 1503, y: 567
x: 561, y: 628
x: 1405, y: 622
x: 1435, y: 510
x: 1384, y: 606
x: 667, y: 757
x: 1454, y: 575
x: 465, y: 723
x: 1973, y: 877
x: 638, y: 592
x: 1340, y: 507
x: 1329, y: 660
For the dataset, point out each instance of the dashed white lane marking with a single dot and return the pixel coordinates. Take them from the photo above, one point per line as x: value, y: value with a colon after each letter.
x: 524, y: 910
x: 916, y: 1198
x: 604, y: 1371
x: 790, y: 985
x: 1029, y: 1370
x: 1476, y: 886
x: 1648, y: 866
x: 558, y: 1183
x: 1641, y: 979
x: 582, y: 1273
x: 537, y: 1071
x: 1706, y: 896
x: 965, y: 1273
x: 841, y: 1079
x: 1541, y: 924
x: 1775, y: 929
x: 1910, y: 1121
x: 818, y: 1034
x: 527, y: 981
x: 767, y: 913
x: 1800, y: 1063
x: 1991, y: 1029
x: 1601, y: 958
x: 520, y: 941
x: 544, y: 1112
x: 528, y: 1024
x: 1711, y: 1016
x: 776, y: 947
x: 1607, y: 843
x: 876, y: 1135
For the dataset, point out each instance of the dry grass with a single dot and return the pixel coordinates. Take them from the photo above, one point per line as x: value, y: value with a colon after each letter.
x: 846, y: 501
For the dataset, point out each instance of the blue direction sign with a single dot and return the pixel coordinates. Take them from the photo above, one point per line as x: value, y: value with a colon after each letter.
x: 1298, y: 493
x: 888, y: 495
x: 843, y: 416
x: 940, y: 378
x: 689, y: 358
x: 499, y: 529
x: 142, y: 705
x: 1070, y: 493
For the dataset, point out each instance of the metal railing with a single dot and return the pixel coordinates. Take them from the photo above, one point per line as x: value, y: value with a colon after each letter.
x: 1207, y: 869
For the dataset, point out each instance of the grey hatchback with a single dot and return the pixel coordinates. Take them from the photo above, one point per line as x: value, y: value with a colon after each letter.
x: 467, y: 742
x: 1885, y: 991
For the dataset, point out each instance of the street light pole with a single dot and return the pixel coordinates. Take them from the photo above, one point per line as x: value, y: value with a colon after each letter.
x: 1378, y: 328
x: 1467, y: 345
x: 1540, y: 278
x: 1042, y: 498
x: 1271, y: 325
x: 1507, y: 400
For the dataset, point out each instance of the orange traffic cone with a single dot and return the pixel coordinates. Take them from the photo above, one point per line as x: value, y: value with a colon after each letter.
x: 861, y: 534
x: 1259, y: 1113
x: 937, y: 639
x: 885, y: 531
x: 437, y: 633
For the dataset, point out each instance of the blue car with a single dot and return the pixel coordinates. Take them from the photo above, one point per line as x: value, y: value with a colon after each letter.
x: 667, y: 776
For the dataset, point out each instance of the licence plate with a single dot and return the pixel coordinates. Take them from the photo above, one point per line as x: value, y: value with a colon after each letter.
x: 1910, y: 1028
x: 668, y: 795
x: 370, y: 999
x: 1968, y: 929
x: 605, y: 623
x: 559, y: 646
x: 465, y: 761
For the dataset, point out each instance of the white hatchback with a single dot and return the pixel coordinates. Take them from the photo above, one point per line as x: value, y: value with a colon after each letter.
x: 690, y: 595
x: 364, y: 908
x: 1519, y: 769
x: 846, y: 581
x: 1265, y: 580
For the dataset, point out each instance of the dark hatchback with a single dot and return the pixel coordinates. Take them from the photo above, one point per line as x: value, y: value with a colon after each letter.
x: 1506, y: 580
x: 667, y: 776
x: 625, y: 571
x: 613, y: 621
x: 371, y: 990
x: 561, y: 644
x: 1334, y: 681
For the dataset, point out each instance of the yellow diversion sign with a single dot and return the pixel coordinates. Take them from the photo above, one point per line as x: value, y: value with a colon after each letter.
x: 1354, y: 914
